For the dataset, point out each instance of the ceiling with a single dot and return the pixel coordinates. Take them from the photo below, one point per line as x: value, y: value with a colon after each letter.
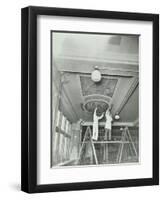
x: 117, y: 56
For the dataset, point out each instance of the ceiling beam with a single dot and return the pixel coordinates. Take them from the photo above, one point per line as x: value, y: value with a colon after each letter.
x: 118, y: 58
x: 107, y: 71
x: 128, y: 95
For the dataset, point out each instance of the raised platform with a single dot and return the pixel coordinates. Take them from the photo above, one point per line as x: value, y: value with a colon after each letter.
x: 107, y: 142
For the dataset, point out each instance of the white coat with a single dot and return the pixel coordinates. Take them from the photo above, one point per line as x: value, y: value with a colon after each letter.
x: 109, y: 119
x: 95, y: 124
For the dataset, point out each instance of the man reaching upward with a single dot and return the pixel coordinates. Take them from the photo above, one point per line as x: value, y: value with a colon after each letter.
x: 95, y: 124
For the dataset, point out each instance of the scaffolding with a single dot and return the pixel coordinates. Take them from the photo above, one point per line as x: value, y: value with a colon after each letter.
x: 125, y: 139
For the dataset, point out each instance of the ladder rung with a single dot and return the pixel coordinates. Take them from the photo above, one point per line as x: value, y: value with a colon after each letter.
x: 88, y: 130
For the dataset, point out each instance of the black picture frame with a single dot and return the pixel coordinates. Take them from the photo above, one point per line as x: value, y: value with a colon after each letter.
x: 29, y: 98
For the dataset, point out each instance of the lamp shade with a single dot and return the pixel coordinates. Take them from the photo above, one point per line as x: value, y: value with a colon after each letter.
x: 96, y: 75
x: 117, y: 117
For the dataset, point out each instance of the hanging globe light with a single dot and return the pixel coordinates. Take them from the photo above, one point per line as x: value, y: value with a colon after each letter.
x: 117, y: 116
x: 96, y: 75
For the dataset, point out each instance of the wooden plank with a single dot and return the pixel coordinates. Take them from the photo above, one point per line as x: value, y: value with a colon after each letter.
x: 109, y: 142
x: 119, y: 124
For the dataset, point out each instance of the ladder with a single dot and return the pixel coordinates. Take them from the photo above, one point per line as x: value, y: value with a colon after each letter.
x: 125, y: 139
x: 88, y: 134
x: 126, y: 136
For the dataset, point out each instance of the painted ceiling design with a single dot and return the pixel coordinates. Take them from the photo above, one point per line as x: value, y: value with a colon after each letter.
x: 118, y: 55
x: 101, y: 106
x: 105, y: 87
x: 97, y: 94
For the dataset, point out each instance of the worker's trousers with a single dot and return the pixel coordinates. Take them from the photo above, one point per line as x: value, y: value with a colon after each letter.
x: 95, y: 132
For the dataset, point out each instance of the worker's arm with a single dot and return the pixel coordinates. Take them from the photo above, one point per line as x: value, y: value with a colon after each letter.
x: 94, y: 114
x: 107, y: 112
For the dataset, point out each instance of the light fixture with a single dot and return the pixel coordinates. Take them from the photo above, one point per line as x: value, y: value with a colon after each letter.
x: 117, y: 116
x: 96, y: 75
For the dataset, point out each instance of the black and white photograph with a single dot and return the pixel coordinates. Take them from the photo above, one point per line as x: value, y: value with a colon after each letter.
x: 90, y: 99
x: 94, y: 99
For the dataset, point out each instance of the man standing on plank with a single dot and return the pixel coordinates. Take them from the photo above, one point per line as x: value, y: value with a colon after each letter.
x: 95, y: 124
x: 108, y: 125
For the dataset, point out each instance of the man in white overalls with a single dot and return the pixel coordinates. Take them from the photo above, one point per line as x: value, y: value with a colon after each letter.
x: 108, y: 124
x: 95, y: 124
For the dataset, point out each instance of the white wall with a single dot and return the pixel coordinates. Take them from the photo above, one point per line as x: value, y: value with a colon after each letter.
x: 10, y: 99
